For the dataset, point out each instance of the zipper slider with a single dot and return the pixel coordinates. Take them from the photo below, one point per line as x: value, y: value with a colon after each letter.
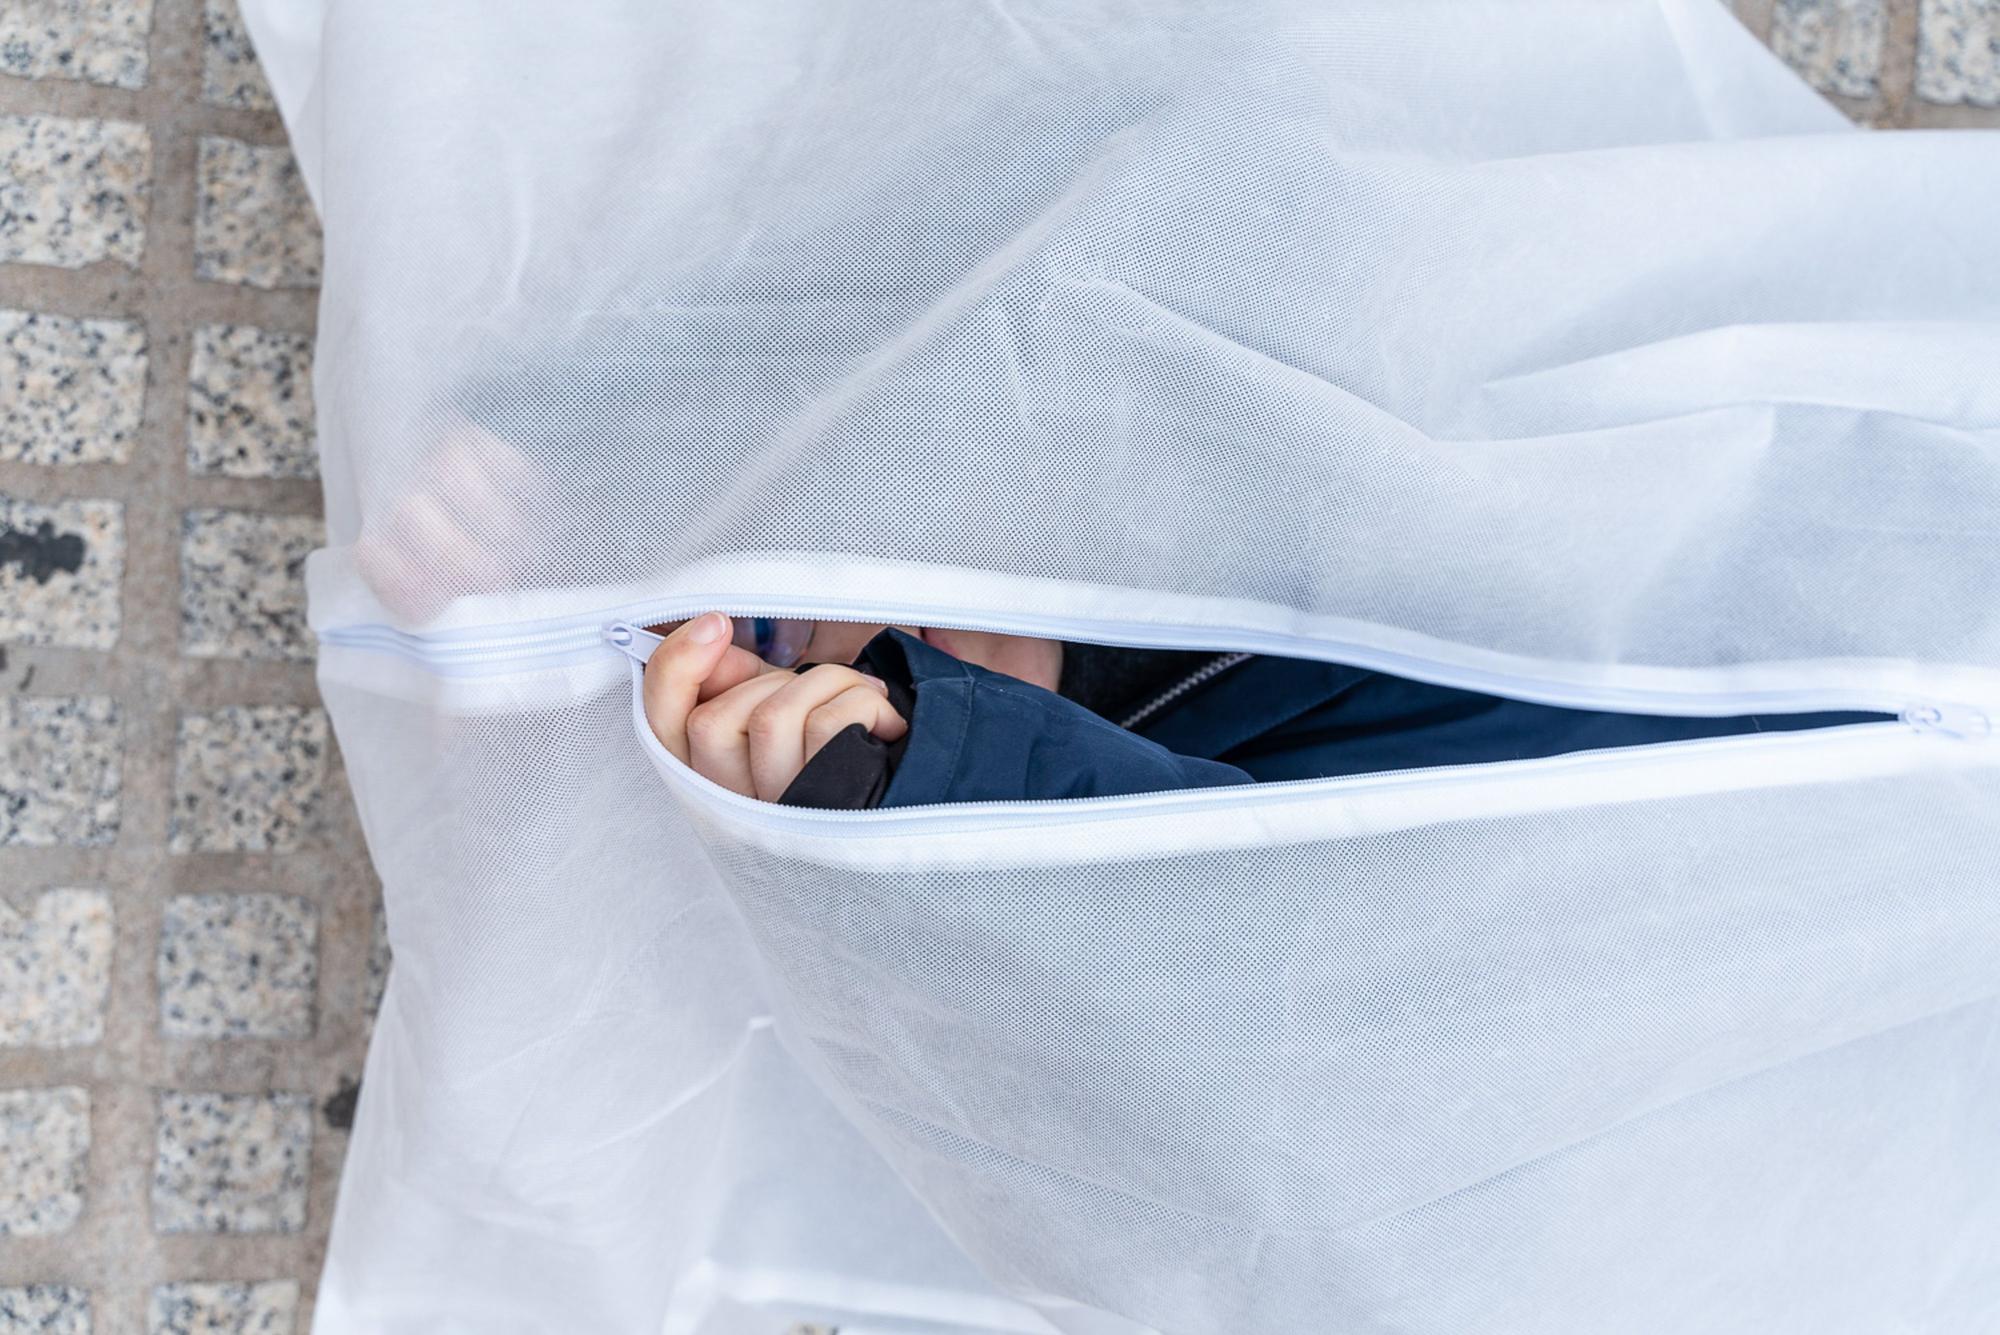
x: 1960, y: 721
x: 635, y: 642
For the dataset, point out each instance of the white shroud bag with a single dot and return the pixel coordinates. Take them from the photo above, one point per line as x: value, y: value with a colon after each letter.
x: 1571, y: 351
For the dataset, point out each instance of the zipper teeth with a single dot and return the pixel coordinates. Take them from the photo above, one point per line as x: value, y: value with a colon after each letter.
x: 578, y: 639
x: 947, y: 817
x: 621, y: 634
x: 1208, y: 671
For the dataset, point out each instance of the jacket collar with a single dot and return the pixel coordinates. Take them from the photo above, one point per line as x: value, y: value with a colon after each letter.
x: 1242, y: 702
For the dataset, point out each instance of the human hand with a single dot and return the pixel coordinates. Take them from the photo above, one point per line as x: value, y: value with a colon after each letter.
x: 744, y: 724
x: 468, y: 521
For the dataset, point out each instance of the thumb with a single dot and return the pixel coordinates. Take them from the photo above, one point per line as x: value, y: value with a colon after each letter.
x: 674, y: 675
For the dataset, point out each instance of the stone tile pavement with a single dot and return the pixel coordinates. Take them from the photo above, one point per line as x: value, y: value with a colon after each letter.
x: 190, y: 948
x: 190, y: 944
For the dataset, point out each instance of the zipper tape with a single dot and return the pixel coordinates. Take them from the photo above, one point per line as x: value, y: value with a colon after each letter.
x: 1212, y: 819
x: 1951, y: 720
x: 476, y: 652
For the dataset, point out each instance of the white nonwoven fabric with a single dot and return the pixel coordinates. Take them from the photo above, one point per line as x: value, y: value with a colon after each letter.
x: 1567, y: 349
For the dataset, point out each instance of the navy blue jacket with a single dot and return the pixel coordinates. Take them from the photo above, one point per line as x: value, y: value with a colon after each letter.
x: 978, y: 736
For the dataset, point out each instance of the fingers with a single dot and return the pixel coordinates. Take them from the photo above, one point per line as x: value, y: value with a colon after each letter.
x: 747, y: 726
x: 470, y: 516
x: 719, y: 732
x: 738, y: 665
x: 863, y: 704
x: 477, y: 502
x: 777, y: 727
x: 674, y: 677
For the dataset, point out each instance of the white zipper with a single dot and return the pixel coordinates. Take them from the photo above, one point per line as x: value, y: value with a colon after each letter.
x: 986, y: 817
x: 490, y: 651
x: 638, y: 643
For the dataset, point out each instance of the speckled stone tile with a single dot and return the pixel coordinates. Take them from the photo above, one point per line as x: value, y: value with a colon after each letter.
x: 377, y: 981
x: 59, y: 770
x: 44, y: 1309
x: 230, y: 74
x: 243, y: 584
x: 97, y: 41
x: 1958, y: 52
x: 55, y: 969
x: 250, y: 406
x: 60, y: 567
x: 247, y: 778
x: 44, y: 1145
x: 73, y: 192
x: 238, y: 966
x: 253, y: 220
x: 266, y: 1308
x: 231, y: 1163
x: 74, y: 389
x: 1835, y: 44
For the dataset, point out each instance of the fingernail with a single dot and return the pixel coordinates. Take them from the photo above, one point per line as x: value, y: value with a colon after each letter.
x: 708, y: 628
x: 876, y: 682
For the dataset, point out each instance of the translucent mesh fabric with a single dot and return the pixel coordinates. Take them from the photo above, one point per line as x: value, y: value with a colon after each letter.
x: 1651, y: 1064
x: 1722, y: 1062
x: 1575, y: 336
x: 1565, y: 329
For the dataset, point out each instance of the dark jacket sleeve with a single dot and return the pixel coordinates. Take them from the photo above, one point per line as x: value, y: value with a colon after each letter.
x: 852, y: 771
x: 979, y: 736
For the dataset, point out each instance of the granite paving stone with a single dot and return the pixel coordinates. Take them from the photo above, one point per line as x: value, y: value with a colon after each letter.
x: 73, y: 192
x: 230, y: 74
x: 247, y: 778
x: 243, y: 584
x: 254, y: 222
x: 231, y: 1163
x: 96, y: 41
x: 1958, y: 52
x: 75, y: 388
x: 59, y: 770
x: 250, y: 405
x: 55, y: 969
x: 378, y: 962
x: 267, y: 1307
x: 1835, y: 44
x: 60, y: 567
x: 44, y: 1309
x: 44, y: 1146
x: 238, y: 966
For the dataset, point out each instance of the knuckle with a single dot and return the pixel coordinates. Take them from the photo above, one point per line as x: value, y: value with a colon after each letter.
x: 704, y: 724
x: 823, y: 725
x: 765, y: 722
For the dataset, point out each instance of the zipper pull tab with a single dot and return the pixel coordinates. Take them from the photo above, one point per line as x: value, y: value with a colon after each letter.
x: 635, y: 642
x: 1960, y: 721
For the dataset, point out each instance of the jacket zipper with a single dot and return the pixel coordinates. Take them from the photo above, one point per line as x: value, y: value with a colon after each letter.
x: 1207, y: 672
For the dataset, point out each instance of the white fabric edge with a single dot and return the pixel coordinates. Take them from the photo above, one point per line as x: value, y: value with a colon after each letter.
x: 469, y: 697
x: 286, y: 35
x: 944, y: 595
x: 1153, y: 825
